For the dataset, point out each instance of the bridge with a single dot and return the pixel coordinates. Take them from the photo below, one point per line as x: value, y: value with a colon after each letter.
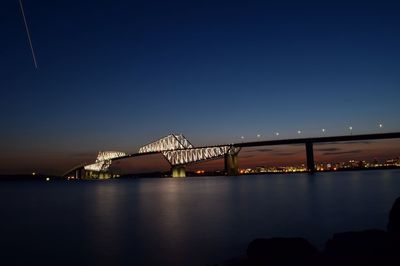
x: 179, y: 152
x: 175, y: 148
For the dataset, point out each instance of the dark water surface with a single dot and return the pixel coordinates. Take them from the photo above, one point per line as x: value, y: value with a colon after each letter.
x: 191, y: 221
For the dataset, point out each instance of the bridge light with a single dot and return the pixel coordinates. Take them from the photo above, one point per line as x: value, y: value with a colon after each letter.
x: 380, y: 125
x: 351, y: 129
x: 299, y: 132
x: 323, y: 131
x: 277, y: 133
x: 258, y: 135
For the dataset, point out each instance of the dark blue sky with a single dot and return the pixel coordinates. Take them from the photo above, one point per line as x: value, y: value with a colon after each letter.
x: 118, y: 74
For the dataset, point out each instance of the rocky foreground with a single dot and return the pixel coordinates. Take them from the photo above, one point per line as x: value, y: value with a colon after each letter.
x: 366, y: 248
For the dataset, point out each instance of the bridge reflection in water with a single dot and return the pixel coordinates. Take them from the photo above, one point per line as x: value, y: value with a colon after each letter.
x: 179, y: 152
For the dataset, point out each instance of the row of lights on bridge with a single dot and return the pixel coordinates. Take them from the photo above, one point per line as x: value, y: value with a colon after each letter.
x: 323, y: 131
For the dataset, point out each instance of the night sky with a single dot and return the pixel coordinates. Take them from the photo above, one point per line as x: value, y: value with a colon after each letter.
x: 114, y: 75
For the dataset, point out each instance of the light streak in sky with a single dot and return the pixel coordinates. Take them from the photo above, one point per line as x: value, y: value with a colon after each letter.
x: 28, y: 34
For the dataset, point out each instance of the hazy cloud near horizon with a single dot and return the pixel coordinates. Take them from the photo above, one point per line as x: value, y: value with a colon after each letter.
x: 260, y: 150
x: 345, y: 142
x: 83, y: 154
x: 285, y: 153
x: 248, y: 156
x: 328, y: 149
x: 343, y: 152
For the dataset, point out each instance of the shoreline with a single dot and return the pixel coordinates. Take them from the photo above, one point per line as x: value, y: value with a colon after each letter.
x: 43, y: 177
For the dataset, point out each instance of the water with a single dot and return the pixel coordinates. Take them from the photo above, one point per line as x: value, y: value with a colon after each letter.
x: 192, y: 221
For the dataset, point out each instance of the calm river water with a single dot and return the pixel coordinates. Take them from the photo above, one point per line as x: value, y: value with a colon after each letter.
x: 190, y: 221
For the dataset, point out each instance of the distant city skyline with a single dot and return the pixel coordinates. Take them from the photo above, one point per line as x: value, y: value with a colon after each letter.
x: 116, y: 75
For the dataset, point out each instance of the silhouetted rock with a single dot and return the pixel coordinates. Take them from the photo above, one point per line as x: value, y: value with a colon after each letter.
x: 360, y: 248
x: 281, y: 251
x: 394, y: 220
x: 369, y: 247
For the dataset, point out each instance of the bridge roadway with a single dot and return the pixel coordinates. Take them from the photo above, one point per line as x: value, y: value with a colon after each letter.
x: 344, y: 138
x: 377, y: 136
x: 308, y: 142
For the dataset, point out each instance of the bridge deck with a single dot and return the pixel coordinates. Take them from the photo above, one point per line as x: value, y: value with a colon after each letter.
x: 320, y: 139
x: 376, y: 136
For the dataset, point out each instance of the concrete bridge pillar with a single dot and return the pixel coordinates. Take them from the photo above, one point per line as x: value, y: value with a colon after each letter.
x: 310, y: 157
x: 77, y: 174
x: 178, y: 171
x: 231, y: 164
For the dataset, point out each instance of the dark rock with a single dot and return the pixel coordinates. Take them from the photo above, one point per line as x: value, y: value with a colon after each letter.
x: 361, y: 248
x: 281, y: 251
x: 393, y: 226
x: 369, y: 247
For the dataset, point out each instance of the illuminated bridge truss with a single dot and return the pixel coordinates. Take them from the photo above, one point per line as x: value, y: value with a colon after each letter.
x: 104, y: 160
x: 192, y: 155
x: 168, y: 143
x: 179, y: 151
x: 175, y: 148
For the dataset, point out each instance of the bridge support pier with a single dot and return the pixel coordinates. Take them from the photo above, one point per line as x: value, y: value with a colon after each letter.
x: 78, y: 174
x: 231, y: 164
x: 178, y: 171
x: 310, y: 157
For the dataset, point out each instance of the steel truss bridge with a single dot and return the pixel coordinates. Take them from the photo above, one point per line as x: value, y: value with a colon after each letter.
x: 175, y: 148
x: 178, y: 151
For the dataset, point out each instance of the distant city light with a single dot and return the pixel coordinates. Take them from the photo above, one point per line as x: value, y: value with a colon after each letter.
x: 242, y: 137
x: 331, y: 166
x: 33, y: 173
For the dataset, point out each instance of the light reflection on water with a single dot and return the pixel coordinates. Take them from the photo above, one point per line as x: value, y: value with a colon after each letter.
x: 192, y: 221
